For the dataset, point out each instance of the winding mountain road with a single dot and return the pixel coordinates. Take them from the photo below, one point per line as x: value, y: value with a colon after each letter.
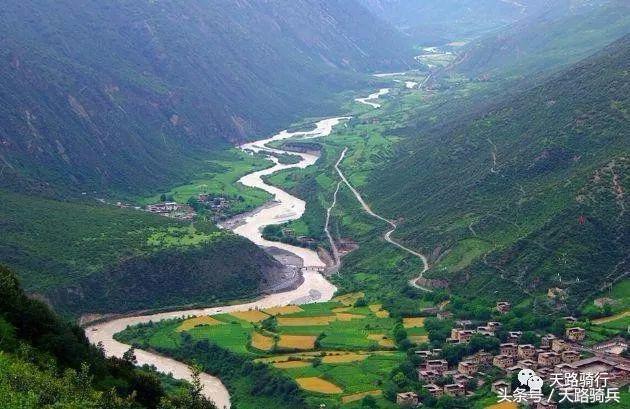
x: 388, y: 235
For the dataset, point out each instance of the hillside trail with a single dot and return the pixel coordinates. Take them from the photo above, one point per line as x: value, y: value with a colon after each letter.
x: 388, y: 235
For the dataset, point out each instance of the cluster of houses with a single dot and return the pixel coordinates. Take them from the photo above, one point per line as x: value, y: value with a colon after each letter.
x: 555, y: 355
x: 185, y: 212
x: 172, y: 209
x: 215, y: 204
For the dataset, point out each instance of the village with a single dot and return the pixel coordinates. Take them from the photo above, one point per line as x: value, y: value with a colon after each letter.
x: 215, y: 205
x: 555, y: 355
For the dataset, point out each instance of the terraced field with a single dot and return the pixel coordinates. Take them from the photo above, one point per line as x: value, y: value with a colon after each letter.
x: 335, y: 350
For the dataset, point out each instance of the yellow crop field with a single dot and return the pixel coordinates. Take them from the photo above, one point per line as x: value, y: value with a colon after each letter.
x: 359, y: 396
x: 291, y: 364
x: 382, y: 340
x: 196, y: 321
x: 339, y: 359
x: 344, y: 316
x: 341, y: 309
x: 378, y: 310
x: 262, y: 342
x: 250, y: 316
x: 349, y: 299
x: 287, y: 309
x: 418, y: 339
x: 305, y: 321
x: 297, y: 341
x: 320, y: 385
x: 413, y: 322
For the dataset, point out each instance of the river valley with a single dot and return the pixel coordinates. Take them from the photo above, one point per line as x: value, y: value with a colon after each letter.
x: 284, y: 207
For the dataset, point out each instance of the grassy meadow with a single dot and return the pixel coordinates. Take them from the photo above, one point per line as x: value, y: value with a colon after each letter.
x: 220, y: 178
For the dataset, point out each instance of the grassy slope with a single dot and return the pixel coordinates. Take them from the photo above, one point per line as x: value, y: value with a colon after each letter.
x: 558, y: 148
x: 553, y: 39
x: 75, y: 254
x: 219, y: 177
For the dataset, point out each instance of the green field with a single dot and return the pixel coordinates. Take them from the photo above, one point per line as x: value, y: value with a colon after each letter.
x: 347, y: 353
x: 221, y: 179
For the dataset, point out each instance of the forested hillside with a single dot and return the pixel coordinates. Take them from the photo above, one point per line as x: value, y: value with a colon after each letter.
x: 130, y: 95
x: 528, y: 194
x: 45, y: 362
x: 101, y: 259
x: 553, y: 38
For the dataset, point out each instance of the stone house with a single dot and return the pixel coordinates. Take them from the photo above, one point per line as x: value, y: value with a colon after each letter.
x: 570, y: 356
x: 467, y: 368
x: 503, y: 361
x: 558, y: 345
x: 549, y: 359
x: 509, y: 349
x: 434, y: 390
x: 454, y: 389
x: 407, y: 399
x: 575, y: 334
x: 526, y: 351
x: 437, y: 365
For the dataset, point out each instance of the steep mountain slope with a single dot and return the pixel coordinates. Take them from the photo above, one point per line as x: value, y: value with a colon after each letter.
x: 560, y: 36
x: 45, y: 362
x: 529, y: 194
x: 440, y: 21
x: 131, y: 94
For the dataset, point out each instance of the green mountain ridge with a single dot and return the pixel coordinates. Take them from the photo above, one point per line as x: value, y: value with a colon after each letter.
x: 547, y: 211
x: 131, y: 95
x: 439, y: 21
x: 48, y: 363
x: 552, y: 39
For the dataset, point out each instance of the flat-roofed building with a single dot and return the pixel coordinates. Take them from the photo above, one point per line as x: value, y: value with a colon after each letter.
x: 575, y: 334
x: 549, y: 358
x: 558, y: 345
x: 503, y: 361
x: 509, y: 349
x: 454, y: 389
x: 407, y: 399
x: 428, y: 376
x: 436, y: 365
x: 526, y: 351
x: 467, y: 367
x: 434, y: 390
x: 545, y: 341
x: 569, y: 356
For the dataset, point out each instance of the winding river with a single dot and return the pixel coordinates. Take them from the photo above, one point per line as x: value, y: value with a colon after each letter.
x: 284, y: 207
